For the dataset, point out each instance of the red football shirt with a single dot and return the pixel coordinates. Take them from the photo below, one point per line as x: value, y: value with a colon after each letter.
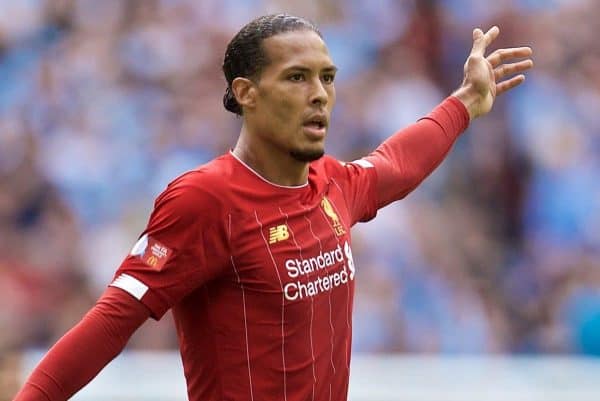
x: 260, y: 277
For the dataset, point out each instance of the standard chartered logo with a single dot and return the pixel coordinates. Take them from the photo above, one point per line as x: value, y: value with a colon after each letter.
x: 348, y: 253
x: 313, y: 267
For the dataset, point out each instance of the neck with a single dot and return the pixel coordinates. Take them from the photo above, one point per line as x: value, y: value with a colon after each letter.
x: 270, y: 163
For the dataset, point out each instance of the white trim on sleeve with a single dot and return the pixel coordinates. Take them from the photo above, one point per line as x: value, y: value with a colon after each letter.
x: 363, y: 163
x: 131, y: 285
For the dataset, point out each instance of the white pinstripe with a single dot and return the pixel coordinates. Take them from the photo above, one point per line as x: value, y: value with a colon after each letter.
x: 245, y: 320
x: 329, y: 298
x: 347, y: 303
x: 312, y: 350
x: 282, y: 305
x: 348, y: 286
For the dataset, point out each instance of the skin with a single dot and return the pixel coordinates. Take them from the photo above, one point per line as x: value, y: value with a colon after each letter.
x: 297, y: 83
x: 484, y: 77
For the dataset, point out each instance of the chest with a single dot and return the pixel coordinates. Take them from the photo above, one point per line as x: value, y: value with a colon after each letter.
x: 299, y: 250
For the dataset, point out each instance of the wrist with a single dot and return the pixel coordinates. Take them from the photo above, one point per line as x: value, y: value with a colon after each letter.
x: 470, y: 99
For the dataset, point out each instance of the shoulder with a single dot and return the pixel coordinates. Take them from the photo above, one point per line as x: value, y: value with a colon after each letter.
x: 329, y: 166
x: 201, y: 189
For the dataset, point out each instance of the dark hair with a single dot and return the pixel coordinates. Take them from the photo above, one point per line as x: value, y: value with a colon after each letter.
x: 245, y: 56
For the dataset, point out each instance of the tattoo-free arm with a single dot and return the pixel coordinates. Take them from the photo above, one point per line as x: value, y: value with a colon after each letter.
x: 83, y: 351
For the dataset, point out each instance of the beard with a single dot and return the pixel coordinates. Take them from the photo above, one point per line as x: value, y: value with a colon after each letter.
x: 306, y: 156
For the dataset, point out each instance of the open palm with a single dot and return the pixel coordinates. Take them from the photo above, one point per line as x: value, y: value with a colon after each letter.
x: 485, y: 76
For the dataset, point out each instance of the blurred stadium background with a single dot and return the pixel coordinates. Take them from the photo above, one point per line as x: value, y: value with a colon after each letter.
x: 495, y: 258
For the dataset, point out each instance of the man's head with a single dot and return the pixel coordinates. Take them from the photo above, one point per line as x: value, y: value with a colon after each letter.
x: 280, y: 78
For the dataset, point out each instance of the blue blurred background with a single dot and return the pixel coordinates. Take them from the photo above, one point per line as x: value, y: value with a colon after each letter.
x: 103, y: 102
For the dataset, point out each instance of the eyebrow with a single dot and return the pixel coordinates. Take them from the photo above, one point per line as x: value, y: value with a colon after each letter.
x: 331, y: 68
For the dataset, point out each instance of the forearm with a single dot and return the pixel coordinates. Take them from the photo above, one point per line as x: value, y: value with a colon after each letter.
x: 405, y: 159
x: 89, y: 346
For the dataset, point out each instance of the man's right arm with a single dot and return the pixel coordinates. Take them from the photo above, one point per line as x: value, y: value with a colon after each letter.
x: 89, y: 346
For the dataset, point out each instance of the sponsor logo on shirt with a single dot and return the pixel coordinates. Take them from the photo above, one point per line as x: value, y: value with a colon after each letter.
x: 337, y: 264
x: 335, y: 220
x: 151, y: 252
x: 278, y: 233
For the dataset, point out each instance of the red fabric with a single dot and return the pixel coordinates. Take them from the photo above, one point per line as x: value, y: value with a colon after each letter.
x: 405, y: 159
x: 81, y: 353
x: 261, y: 277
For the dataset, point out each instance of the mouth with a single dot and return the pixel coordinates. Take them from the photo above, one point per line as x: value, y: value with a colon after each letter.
x: 316, y: 127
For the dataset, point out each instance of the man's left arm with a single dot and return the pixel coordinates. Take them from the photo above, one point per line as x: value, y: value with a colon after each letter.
x: 405, y: 159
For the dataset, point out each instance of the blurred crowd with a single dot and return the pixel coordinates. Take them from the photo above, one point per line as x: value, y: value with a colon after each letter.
x: 102, y: 103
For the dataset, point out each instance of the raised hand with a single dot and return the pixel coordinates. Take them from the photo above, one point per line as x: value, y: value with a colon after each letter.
x: 484, y: 77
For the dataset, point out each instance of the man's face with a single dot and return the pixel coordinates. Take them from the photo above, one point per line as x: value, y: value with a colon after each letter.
x: 295, y: 95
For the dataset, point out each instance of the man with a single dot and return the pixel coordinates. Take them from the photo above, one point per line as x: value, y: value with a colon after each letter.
x: 252, y: 251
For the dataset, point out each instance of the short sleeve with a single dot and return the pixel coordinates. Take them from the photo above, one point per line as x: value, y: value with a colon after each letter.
x: 181, y: 249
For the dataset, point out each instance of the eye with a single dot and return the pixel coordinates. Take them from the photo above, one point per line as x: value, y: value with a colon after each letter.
x: 328, y: 78
x: 296, y: 77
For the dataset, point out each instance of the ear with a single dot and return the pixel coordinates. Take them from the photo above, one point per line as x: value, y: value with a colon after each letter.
x: 244, y: 91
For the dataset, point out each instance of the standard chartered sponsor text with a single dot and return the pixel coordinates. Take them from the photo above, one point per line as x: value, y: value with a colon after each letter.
x: 319, y: 283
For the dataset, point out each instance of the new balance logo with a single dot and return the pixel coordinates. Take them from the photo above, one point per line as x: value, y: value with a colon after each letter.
x: 278, y: 233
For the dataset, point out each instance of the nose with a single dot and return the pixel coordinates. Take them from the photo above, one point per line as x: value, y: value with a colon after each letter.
x: 319, y: 95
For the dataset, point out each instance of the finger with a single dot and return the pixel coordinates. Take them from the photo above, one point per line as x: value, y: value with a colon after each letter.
x: 501, y: 55
x: 509, y: 84
x: 482, y: 40
x: 492, y: 34
x: 512, y: 68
